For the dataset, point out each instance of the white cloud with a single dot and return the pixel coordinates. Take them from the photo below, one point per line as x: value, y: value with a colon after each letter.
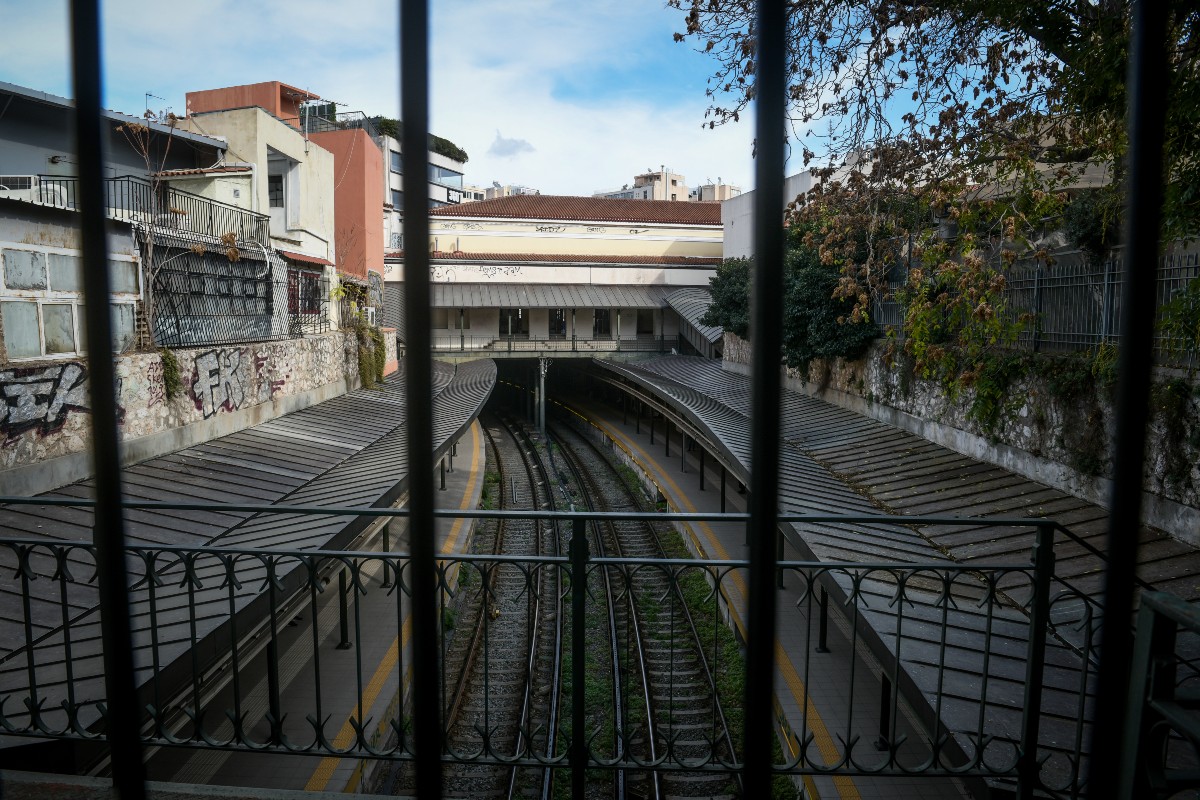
x: 493, y: 68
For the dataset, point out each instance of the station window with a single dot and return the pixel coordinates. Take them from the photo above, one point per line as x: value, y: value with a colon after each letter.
x: 602, y: 323
x: 645, y: 321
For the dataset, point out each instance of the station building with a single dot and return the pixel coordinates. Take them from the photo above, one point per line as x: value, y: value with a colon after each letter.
x: 527, y: 275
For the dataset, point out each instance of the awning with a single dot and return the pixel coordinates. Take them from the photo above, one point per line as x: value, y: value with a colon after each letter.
x: 290, y: 256
x: 690, y: 304
x: 538, y: 295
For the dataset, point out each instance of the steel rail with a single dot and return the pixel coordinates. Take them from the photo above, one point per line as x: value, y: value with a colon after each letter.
x: 589, y: 498
x: 534, y: 465
x: 683, y: 604
x: 454, y: 707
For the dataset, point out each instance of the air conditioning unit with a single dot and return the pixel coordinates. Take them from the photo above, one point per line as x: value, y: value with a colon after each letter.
x: 369, y: 311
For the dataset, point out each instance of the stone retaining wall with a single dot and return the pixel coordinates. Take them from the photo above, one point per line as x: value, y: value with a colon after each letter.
x: 1063, y: 444
x: 45, y: 418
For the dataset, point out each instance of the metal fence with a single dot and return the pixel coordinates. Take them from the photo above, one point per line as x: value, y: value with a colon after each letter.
x: 212, y: 639
x: 203, y: 294
x: 135, y: 200
x: 1076, y: 306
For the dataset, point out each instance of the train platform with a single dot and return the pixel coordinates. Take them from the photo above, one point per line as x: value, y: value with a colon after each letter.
x: 374, y: 662
x: 813, y: 689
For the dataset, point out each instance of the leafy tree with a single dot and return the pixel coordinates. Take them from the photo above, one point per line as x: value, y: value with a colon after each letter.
x: 819, y: 324
x: 730, y: 288
x: 934, y: 98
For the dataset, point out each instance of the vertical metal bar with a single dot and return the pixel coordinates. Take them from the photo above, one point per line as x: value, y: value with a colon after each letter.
x: 702, y: 451
x: 823, y: 623
x: 387, y: 548
x: 767, y: 325
x: 442, y: 470
x: 578, y: 756
x: 108, y: 533
x: 1153, y: 669
x: 343, y: 612
x: 884, y: 742
x: 414, y: 110
x: 723, y: 476
x: 1037, y: 307
x: 1147, y: 82
x: 1035, y: 662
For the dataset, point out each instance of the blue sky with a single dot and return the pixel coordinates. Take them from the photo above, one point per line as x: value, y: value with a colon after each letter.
x: 564, y: 96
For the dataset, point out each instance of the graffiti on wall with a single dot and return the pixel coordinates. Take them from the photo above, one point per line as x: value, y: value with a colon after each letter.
x: 268, y: 384
x: 218, y: 382
x: 156, y: 387
x: 40, y: 398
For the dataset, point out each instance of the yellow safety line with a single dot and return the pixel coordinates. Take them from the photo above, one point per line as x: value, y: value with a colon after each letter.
x: 825, y: 744
x: 324, y: 771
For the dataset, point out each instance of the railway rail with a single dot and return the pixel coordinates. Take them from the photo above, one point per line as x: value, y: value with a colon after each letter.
x: 671, y: 672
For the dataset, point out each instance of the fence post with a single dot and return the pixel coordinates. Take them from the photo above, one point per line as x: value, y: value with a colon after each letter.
x: 1039, y: 622
x: 1037, y: 307
x: 579, y: 559
x: 1106, y: 311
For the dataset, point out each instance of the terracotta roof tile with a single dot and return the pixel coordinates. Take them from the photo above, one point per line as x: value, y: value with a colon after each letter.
x: 560, y: 258
x: 587, y: 209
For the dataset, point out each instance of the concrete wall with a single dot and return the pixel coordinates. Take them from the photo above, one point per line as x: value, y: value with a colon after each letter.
x: 45, y: 425
x: 358, y: 198
x: 1036, y: 436
x: 737, y: 215
x: 309, y: 227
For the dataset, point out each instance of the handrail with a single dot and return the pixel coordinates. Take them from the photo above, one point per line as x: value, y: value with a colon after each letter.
x: 132, y: 194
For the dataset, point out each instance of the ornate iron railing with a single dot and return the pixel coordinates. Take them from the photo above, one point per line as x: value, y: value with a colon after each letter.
x: 211, y: 638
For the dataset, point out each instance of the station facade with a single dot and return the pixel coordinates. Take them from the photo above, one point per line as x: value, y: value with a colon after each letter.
x: 530, y: 274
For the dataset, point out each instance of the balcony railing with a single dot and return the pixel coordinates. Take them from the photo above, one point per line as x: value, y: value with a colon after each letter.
x: 134, y: 199
x: 317, y: 122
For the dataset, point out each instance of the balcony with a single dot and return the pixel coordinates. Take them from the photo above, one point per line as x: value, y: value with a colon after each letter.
x: 132, y: 199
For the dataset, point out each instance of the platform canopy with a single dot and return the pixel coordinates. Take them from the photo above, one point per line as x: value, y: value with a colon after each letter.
x: 691, y: 304
x: 537, y: 295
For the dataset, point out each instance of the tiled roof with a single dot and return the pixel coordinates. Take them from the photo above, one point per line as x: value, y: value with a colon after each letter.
x: 587, y: 209
x: 169, y: 173
x: 570, y: 258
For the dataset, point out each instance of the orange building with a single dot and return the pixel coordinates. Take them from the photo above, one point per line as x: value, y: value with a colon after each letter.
x: 358, y: 198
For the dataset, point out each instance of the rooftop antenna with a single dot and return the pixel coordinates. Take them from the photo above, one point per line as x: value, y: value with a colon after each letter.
x: 148, y: 96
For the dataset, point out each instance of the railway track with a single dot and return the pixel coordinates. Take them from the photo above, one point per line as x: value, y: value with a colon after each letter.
x: 503, y: 636
x: 669, y: 670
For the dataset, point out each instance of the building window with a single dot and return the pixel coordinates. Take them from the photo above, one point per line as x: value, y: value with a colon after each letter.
x: 645, y: 321
x: 602, y: 324
x: 446, y: 177
x: 672, y: 197
x: 397, y: 199
x: 41, y: 303
x: 558, y: 323
x: 275, y: 191
x: 514, y: 322
x: 397, y: 162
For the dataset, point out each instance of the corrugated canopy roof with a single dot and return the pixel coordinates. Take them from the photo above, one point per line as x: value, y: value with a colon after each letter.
x: 535, y: 295
x: 690, y: 304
